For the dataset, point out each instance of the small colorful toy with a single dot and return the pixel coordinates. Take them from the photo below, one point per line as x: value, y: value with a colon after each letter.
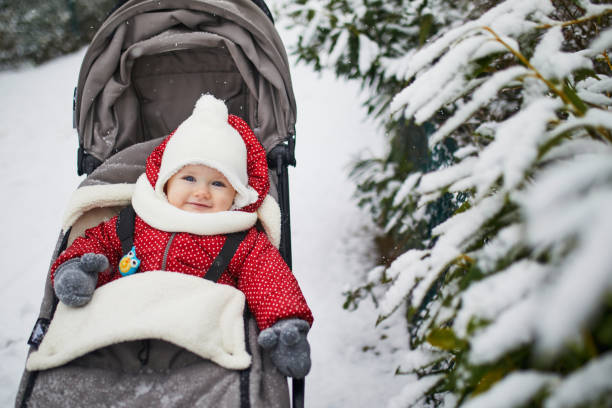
x: 129, y: 263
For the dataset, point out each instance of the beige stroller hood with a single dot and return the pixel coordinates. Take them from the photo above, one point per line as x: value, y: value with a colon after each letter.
x: 152, y: 59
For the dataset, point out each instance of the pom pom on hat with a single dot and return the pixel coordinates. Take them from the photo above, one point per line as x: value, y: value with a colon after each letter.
x: 207, y: 138
x: 209, y: 110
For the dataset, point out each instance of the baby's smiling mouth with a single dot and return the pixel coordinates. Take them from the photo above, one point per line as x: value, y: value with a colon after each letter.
x: 202, y: 205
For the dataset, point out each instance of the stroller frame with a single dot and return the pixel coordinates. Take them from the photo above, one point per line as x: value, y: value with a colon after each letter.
x: 118, y: 58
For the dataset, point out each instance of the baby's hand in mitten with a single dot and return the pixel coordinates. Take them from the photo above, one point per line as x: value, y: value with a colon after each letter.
x: 289, y: 350
x: 75, y: 280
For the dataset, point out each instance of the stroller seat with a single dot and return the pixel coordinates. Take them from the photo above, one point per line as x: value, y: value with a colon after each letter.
x: 142, y: 73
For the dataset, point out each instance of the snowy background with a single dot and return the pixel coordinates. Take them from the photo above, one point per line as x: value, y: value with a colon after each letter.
x: 330, y: 234
x: 529, y: 260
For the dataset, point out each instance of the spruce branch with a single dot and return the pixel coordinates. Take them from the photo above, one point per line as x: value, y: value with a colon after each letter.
x: 575, y: 21
x: 605, y: 55
x: 560, y: 93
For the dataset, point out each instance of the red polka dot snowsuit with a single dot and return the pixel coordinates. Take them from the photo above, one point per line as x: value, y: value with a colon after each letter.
x: 257, y: 269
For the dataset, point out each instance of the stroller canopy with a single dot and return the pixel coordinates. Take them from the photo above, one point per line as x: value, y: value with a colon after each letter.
x: 151, y: 60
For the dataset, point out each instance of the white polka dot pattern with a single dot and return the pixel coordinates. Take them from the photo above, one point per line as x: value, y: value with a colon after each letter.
x: 257, y: 268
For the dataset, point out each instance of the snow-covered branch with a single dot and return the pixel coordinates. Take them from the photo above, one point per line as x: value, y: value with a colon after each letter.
x: 504, y: 269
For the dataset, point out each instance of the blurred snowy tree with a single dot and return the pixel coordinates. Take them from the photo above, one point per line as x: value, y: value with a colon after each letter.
x: 363, y: 40
x: 38, y: 30
x: 508, y: 286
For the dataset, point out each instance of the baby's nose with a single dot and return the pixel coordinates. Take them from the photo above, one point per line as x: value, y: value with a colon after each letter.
x: 202, y: 191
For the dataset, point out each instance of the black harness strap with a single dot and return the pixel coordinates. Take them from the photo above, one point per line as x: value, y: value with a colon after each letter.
x: 218, y: 266
x: 125, y: 232
x: 125, y: 228
x: 226, y: 254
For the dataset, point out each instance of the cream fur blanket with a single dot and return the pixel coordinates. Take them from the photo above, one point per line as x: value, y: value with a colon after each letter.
x: 204, y: 317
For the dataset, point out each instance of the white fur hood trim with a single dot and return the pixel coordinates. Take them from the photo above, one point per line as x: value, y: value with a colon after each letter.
x: 87, y: 198
x: 269, y: 214
x: 158, y: 213
x: 204, y: 317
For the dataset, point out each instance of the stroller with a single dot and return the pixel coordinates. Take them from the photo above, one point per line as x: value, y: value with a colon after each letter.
x: 142, y: 73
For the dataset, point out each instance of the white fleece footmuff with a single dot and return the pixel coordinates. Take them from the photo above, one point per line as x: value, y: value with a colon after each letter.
x: 205, y: 318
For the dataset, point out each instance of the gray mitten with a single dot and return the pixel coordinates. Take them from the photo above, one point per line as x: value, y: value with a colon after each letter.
x: 75, y: 280
x: 289, y: 350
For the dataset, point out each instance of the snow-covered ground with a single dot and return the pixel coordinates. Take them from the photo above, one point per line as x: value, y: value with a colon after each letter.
x: 330, y: 238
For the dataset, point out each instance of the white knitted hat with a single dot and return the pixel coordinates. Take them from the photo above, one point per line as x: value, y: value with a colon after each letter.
x: 207, y: 138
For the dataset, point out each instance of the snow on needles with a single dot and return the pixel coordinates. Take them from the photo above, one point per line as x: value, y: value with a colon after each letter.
x: 368, y: 50
x: 515, y: 147
x: 508, y: 157
x: 603, y: 42
x: 517, y: 389
x: 417, y: 269
x: 589, y: 384
x: 509, y: 17
x: 578, y: 208
x: 535, y: 232
x: 482, y: 96
x: 517, y: 265
x: 551, y: 62
x: 413, y: 391
x: 487, y: 298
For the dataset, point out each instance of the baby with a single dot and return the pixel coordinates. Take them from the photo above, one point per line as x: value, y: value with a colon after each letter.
x: 199, y: 188
x: 207, y: 179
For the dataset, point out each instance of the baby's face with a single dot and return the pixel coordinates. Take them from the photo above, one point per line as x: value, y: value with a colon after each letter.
x: 199, y: 188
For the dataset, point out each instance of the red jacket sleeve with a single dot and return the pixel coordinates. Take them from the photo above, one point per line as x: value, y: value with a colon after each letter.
x: 101, y: 239
x: 272, y: 292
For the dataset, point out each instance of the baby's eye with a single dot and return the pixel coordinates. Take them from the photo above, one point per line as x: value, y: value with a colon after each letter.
x: 191, y: 179
x: 218, y: 183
